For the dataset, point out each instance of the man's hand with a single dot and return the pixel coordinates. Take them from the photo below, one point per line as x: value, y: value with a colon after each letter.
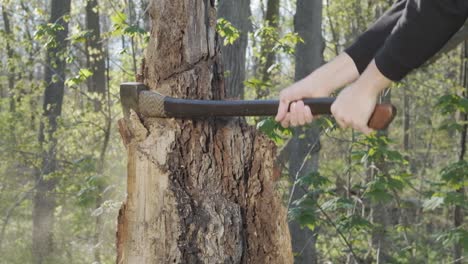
x: 353, y: 108
x: 320, y: 83
x: 355, y: 104
x: 299, y: 114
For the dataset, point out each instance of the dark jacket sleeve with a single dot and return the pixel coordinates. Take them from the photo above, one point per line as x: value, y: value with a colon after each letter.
x: 422, y: 30
x: 365, y: 47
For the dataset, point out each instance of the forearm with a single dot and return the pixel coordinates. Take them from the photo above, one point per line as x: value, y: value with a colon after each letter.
x: 422, y: 30
x: 372, y: 81
x: 331, y: 76
x: 364, y: 48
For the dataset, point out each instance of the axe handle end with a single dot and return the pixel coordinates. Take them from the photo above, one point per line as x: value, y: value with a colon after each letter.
x: 382, y: 117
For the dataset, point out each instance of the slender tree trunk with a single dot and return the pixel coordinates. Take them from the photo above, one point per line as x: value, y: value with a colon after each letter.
x: 133, y: 44
x: 267, y: 44
x: 146, y: 19
x: 199, y: 191
x: 309, y: 56
x: 234, y: 56
x: 10, y: 64
x: 458, y: 214
x: 95, y: 55
x: 97, y: 83
x: 380, y: 211
x: 44, y: 200
x: 406, y: 119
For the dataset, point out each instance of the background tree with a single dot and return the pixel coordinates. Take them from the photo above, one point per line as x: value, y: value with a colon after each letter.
x: 234, y: 56
x: 304, y: 145
x: 44, y: 199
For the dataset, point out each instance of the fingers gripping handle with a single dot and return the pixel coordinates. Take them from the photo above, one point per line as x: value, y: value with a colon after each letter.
x: 380, y: 119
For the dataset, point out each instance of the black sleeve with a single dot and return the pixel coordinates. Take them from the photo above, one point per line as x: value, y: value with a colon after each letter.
x: 363, y: 50
x: 422, y: 30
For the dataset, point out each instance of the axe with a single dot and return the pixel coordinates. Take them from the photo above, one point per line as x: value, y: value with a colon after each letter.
x: 136, y: 96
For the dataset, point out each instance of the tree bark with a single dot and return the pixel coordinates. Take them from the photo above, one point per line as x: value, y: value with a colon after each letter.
x: 234, y: 56
x: 199, y: 191
x: 380, y: 212
x: 309, y: 56
x: 10, y: 64
x: 44, y: 201
x: 94, y: 52
x: 97, y: 83
x: 266, y: 49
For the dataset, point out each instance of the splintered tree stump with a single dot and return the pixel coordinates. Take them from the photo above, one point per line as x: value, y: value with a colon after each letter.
x: 202, y: 190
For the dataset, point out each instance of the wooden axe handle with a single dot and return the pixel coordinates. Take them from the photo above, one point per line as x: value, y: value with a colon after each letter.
x: 153, y: 104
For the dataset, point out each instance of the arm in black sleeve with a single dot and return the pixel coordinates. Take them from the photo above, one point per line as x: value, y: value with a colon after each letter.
x: 363, y: 50
x: 422, y: 30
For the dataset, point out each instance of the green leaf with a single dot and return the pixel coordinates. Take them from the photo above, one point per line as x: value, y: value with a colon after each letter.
x: 456, y: 174
x: 82, y: 76
x: 433, y: 203
x: 273, y: 129
x: 226, y: 30
x: 119, y: 18
x: 313, y: 179
x: 456, y: 235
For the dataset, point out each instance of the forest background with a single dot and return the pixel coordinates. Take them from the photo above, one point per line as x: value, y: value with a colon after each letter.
x: 395, y: 197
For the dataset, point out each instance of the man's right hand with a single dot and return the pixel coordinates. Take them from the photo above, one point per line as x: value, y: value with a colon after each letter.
x: 320, y: 83
x: 291, y: 98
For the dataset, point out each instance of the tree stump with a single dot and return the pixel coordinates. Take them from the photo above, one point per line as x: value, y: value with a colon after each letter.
x: 199, y: 191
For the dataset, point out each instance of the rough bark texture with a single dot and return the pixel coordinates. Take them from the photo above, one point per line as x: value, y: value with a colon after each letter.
x: 234, y: 56
x: 199, y: 191
x: 44, y: 201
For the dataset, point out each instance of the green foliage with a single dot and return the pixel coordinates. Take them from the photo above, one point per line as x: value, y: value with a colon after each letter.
x: 273, y: 130
x: 456, y: 235
x: 227, y: 31
x: 455, y: 175
x: 47, y: 34
x: 417, y: 185
x: 83, y: 75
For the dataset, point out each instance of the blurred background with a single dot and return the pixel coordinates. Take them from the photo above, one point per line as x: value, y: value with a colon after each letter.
x: 394, y: 197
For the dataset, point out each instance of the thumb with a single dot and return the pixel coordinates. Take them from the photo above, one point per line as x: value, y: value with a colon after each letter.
x: 282, y: 110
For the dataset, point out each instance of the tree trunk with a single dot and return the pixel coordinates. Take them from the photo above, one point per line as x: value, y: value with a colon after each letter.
x: 94, y: 52
x: 267, y: 44
x: 406, y: 119
x: 309, y: 56
x: 97, y: 83
x: 381, y: 211
x: 458, y: 214
x: 10, y: 64
x: 234, y: 56
x: 44, y: 200
x: 199, y: 191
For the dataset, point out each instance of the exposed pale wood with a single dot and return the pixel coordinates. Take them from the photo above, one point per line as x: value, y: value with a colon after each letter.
x: 199, y: 191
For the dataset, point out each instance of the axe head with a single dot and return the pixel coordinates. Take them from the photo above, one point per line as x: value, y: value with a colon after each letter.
x: 129, y: 96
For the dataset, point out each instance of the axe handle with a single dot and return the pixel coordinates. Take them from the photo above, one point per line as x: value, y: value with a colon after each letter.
x: 153, y: 104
